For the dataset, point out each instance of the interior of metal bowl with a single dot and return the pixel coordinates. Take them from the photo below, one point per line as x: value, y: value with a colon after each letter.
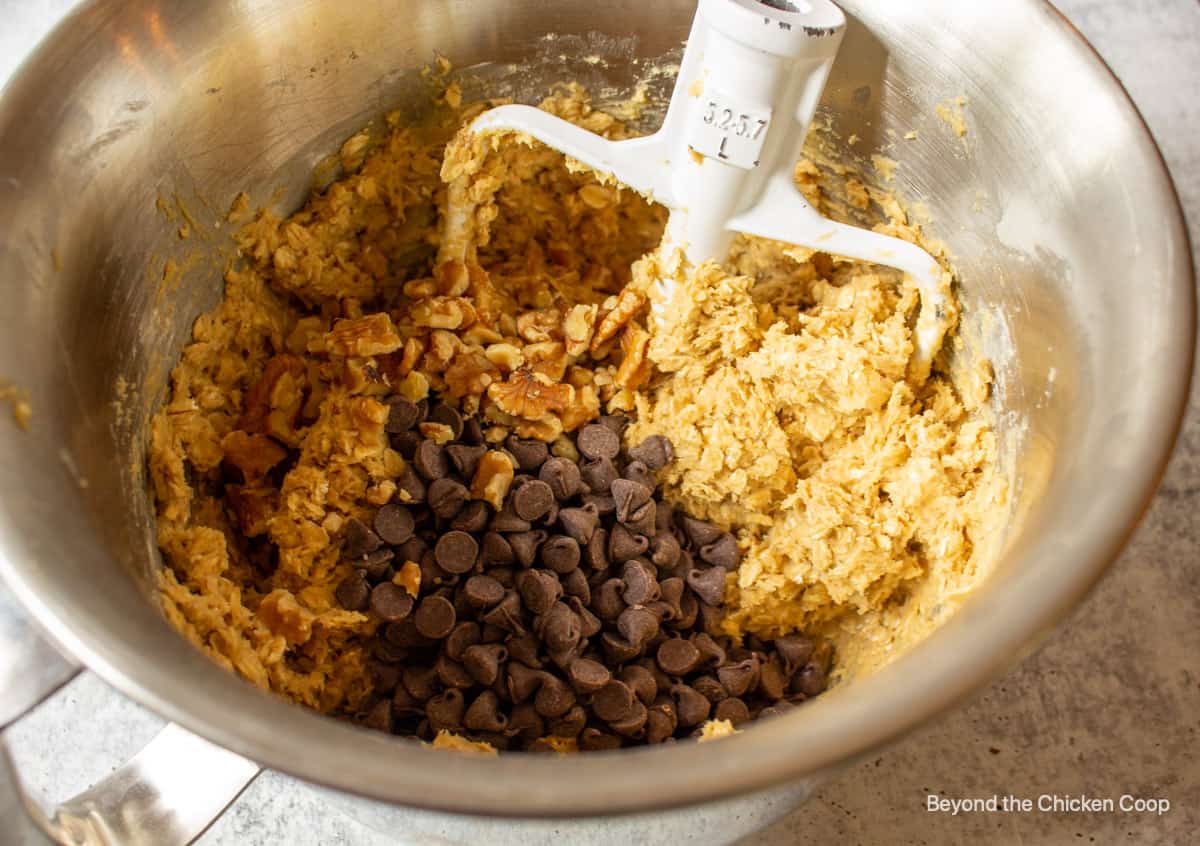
x: 1056, y: 206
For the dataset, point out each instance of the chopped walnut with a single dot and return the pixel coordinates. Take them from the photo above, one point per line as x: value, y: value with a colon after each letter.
x: 254, y: 455
x: 635, y: 367
x: 627, y: 304
x: 537, y: 326
x: 414, y: 348
x: 252, y: 507
x: 578, y: 328
x: 381, y: 493
x: 443, y: 346
x: 409, y: 578
x: 505, y: 356
x: 363, y: 336
x: 585, y: 408
x: 419, y: 289
x: 453, y: 278
x: 284, y: 616
x: 493, y: 478
x: 439, y: 433
x: 530, y: 395
x: 273, y: 403
x: 548, y: 358
x: 414, y: 386
x: 442, y: 313
x: 469, y: 375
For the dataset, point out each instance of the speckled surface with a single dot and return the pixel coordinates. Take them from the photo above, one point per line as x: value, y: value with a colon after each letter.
x: 1109, y: 706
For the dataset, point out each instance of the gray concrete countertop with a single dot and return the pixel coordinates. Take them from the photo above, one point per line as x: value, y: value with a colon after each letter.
x: 1109, y: 706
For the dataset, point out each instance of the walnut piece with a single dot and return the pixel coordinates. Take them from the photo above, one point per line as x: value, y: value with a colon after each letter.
x: 273, y: 402
x: 374, y: 334
x: 493, y: 478
x: 635, y: 367
x: 254, y: 455
x: 283, y: 615
x: 442, y: 313
x: 628, y: 303
x: 530, y: 395
x: 409, y: 577
x: 578, y: 328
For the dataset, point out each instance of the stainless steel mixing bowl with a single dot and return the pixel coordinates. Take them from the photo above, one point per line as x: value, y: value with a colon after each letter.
x: 1057, y: 206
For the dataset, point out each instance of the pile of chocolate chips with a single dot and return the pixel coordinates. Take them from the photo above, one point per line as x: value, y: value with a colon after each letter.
x: 586, y: 608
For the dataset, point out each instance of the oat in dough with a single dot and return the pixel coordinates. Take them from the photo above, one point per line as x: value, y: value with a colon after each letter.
x: 784, y: 392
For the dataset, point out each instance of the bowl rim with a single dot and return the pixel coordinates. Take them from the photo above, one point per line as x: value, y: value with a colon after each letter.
x: 924, y: 682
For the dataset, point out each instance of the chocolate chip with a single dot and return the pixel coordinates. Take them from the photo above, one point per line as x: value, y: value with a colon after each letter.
x: 633, y: 724
x: 637, y: 625
x: 472, y: 433
x: 595, y: 740
x: 561, y: 554
x: 473, y: 517
x: 617, y: 422
x: 723, y: 552
x: 525, y: 546
x: 394, y: 524
x: 376, y: 565
x: 420, y: 682
x: 385, y: 650
x: 613, y: 701
x: 617, y: 649
x: 711, y: 619
x: 496, y: 549
x: 410, y: 487
x: 464, y: 635
x: 411, y: 550
x: 678, y: 657
x: 641, y: 521
x: 710, y: 688
x: 390, y: 602
x: 732, y: 709
x: 405, y: 443
x: 664, y: 551
x: 507, y: 614
x: 794, y: 650
x: 533, y: 500
x: 579, y: 523
x: 379, y: 717
x: 575, y: 584
x: 403, y: 635
x: 559, y: 628
x: 483, y: 591
x: 700, y: 533
x: 404, y: 704
x: 539, y: 589
x: 507, y: 521
x: 596, y: 440
x: 562, y: 475
x: 740, y: 677
x: 359, y: 539
x: 597, y: 550
x: 602, y: 504
x: 525, y: 648
x: 435, y: 617
x: 809, y: 681
x: 530, y: 454
x: 598, y: 475
x: 640, y: 584
x: 402, y: 415
x: 691, y: 708
x: 711, y: 653
x: 656, y: 452
x: 607, y: 602
x: 639, y: 473
x: 624, y: 544
x: 451, y: 673
x: 446, y: 497
x: 708, y: 584
x: 353, y: 593
x: 587, y: 676
x: 772, y: 681
x: 661, y: 721
x: 456, y: 552
x: 671, y: 592
x: 384, y: 675
x: 664, y: 518
x: 484, y: 713
x: 447, y: 416
x: 525, y: 722
x: 445, y: 711
x: 589, y: 623
x: 465, y: 458
x: 569, y: 724
x: 689, y: 609
x: 483, y: 662
x: 553, y: 698
x: 628, y: 497
x: 641, y: 681
x: 430, y: 460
